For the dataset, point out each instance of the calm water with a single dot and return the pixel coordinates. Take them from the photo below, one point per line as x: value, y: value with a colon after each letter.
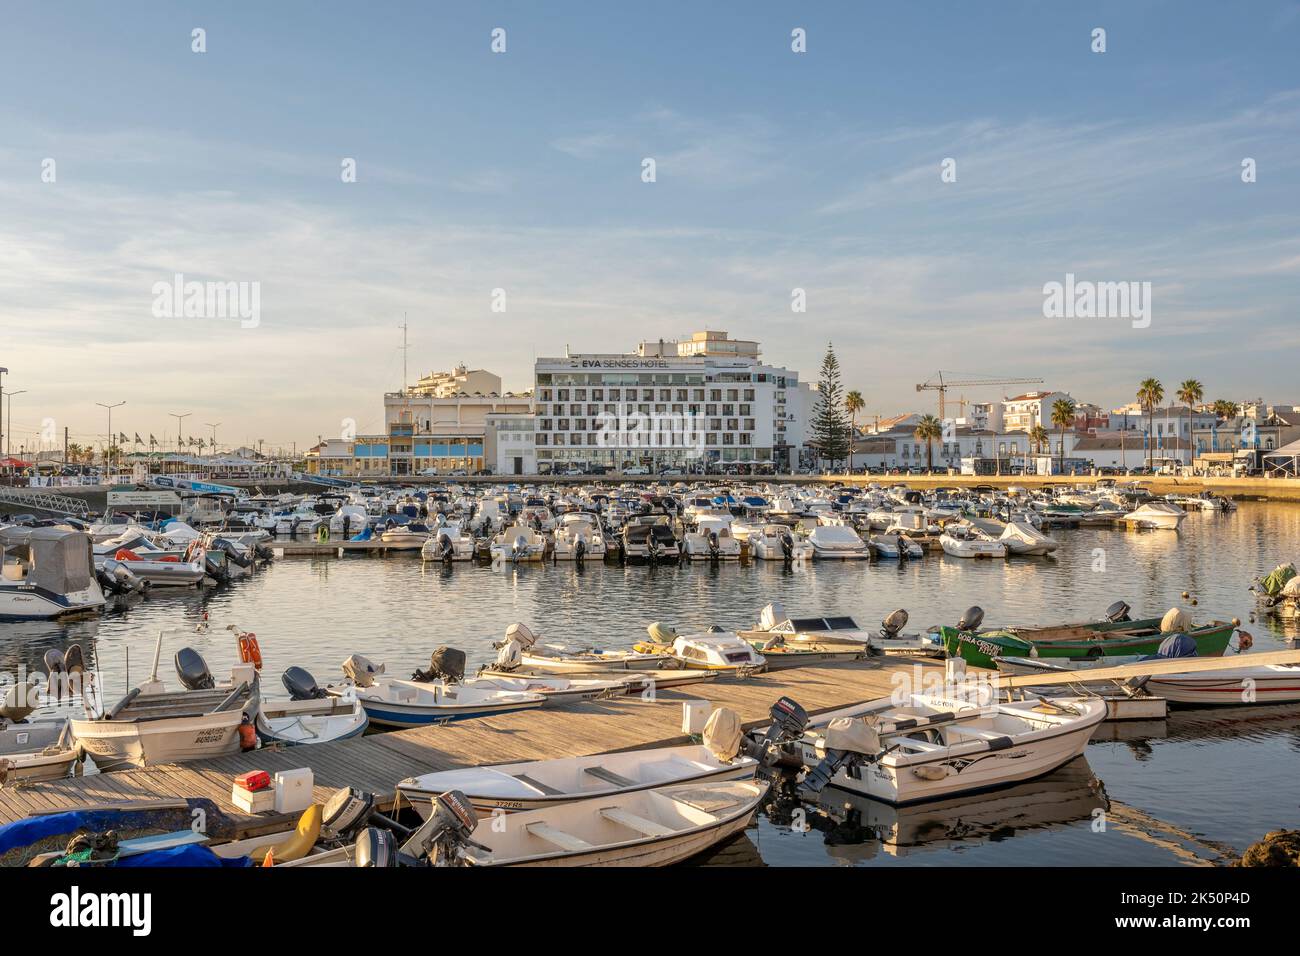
x: 1180, y: 791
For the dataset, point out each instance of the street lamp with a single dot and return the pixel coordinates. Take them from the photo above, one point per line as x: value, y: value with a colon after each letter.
x: 213, y: 426
x: 179, y: 420
x: 2, y: 398
x: 10, y: 429
x: 110, y: 425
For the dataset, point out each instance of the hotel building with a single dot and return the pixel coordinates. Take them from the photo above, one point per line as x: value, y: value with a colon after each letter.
x: 709, y: 399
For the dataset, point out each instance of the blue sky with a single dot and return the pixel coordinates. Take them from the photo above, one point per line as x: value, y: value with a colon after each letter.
x: 521, y: 171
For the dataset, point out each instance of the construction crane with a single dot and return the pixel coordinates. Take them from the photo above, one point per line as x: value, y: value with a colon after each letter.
x: 941, y: 385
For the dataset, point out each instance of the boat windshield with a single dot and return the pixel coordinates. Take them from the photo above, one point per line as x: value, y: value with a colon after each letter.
x: 841, y: 624
x: 809, y: 624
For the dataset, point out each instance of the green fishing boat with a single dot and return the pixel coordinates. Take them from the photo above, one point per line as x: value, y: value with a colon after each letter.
x: 1107, y: 638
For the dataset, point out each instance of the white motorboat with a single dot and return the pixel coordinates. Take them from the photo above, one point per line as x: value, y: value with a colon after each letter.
x: 841, y: 632
x: 522, y: 648
x: 963, y: 541
x: 833, y: 539
x: 713, y: 650
x: 557, y: 691
x: 1155, y: 514
x: 578, y: 537
x: 777, y: 542
x: 650, y: 538
x: 642, y: 828
x: 447, y: 542
x: 546, y: 783
x: 46, y: 573
x: 518, y: 542
x: 712, y: 539
x: 310, y: 716
x: 406, y: 537
x: 151, y: 725
x: 895, y: 544
x: 393, y: 702
x: 1247, y: 685
x: 1020, y: 537
x: 933, y: 747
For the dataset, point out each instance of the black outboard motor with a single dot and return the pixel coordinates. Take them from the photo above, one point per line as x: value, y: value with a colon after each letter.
x: 446, y: 550
x: 580, y: 549
x: 1118, y: 612
x: 713, y: 545
x: 893, y: 624
x: 972, y: 619
x: 192, y: 670
x: 301, y: 685
x: 789, y: 721
x: 787, y: 545
x: 446, y: 663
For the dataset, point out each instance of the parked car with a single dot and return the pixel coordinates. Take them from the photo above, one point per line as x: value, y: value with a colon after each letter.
x: 636, y: 470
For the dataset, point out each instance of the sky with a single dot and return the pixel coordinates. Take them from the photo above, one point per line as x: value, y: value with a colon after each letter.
x: 522, y: 171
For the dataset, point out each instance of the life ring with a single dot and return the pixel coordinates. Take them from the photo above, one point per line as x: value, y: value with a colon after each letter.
x: 249, y: 652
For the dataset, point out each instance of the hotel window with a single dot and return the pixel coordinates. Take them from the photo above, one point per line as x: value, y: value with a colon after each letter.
x: 544, y: 424
x: 562, y: 394
x: 575, y: 409
x: 611, y: 409
x: 579, y: 394
x: 665, y: 394
x: 710, y: 439
x: 728, y: 438
x: 710, y: 409
x: 733, y: 394
x: 591, y: 438
x: 661, y: 409
x: 715, y: 423
x: 542, y: 439
x: 697, y: 394
x: 545, y: 395
x: 745, y: 410
x: 580, y: 425
x: 749, y: 424
x: 749, y: 394
x: 728, y: 409
x: 562, y: 424
x: 614, y: 395
x: 597, y: 394
x: 744, y: 439
x: 681, y: 394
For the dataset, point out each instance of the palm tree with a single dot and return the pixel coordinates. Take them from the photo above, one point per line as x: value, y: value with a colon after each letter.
x: 1150, y: 394
x: 1038, y: 437
x: 1225, y: 409
x: 1189, y: 393
x: 927, y: 430
x: 1062, y: 416
x: 74, y: 453
x: 853, y: 403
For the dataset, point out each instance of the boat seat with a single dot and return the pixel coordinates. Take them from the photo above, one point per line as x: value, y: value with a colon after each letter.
x: 537, y: 785
x: 565, y: 841
x: 609, y: 776
x: 633, y: 822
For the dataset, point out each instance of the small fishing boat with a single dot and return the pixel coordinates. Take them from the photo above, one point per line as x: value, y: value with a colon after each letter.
x: 714, y: 650
x: 656, y: 827
x: 32, y: 749
x: 1155, y: 514
x: 522, y: 648
x: 895, y: 544
x: 578, y: 537
x: 392, y: 702
x: 1115, y: 636
x: 930, y: 747
x: 518, y: 542
x: 310, y: 716
x: 151, y: 725
x: 833, y: 539
x: 447, y: 542
x: 406, y: 537
x: 711, y: 540
x: 546, y: 783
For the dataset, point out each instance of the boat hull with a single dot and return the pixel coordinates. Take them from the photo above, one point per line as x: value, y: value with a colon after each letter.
x: 982, y: 648
x: 114, y: 744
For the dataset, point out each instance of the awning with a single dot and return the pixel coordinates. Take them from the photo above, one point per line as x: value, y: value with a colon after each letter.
x: 14, y: 463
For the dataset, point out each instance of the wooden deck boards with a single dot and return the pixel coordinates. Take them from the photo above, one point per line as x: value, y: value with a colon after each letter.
x: 377, y: 762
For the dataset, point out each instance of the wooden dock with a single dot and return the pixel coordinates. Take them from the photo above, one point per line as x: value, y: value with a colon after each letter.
x: 378, y: 761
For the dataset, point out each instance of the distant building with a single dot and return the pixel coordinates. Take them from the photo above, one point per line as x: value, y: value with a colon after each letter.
x: 459, y: 381
x: 1025, y: 412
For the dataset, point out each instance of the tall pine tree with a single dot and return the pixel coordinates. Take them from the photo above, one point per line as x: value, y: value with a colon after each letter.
x: 830, y: 430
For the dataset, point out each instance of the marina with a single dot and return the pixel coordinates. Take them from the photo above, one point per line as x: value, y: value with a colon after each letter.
x: 601, y: 665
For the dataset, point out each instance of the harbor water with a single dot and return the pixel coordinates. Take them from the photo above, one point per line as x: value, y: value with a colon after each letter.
x: 1194, y: 789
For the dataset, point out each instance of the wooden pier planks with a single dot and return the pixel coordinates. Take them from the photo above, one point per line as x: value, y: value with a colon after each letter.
x: 377, y: 762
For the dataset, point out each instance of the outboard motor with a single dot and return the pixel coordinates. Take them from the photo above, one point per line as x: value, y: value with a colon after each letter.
x: 972, y: 619
x: 444, y: 834
x: 360, y: 671
x: 509, y: 655
x: 116, y: 578
x: 789, y: 721
x: 787, y: 545
x: 347, y: 811
x: 893, y: 624
x: 714, y: 629
x: 445, y: 663
x: 713, y: 545
x: 446, y: 549
x: 848, y: 741
x: 18, y: 702
x: 519, y: 548
x: 580, y: 548
x: 192, y: 670
x: 1118, y: 612
x: 301, y: 685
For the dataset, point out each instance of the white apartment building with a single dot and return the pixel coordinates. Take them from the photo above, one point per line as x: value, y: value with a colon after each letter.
x: 708, y: 399
x: 1025, y: 412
